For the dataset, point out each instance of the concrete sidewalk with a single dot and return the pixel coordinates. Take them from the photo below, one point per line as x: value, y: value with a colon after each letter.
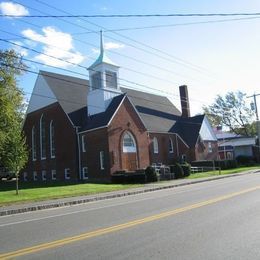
x: 40, y: 205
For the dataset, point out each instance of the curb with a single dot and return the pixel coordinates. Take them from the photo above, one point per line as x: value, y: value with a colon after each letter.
x: 111, y: 196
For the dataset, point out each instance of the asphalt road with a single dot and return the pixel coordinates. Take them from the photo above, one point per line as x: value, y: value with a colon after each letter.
x: 212, y: 220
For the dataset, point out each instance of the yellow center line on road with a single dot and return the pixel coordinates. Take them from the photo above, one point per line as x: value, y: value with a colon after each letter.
x: 103, y: 231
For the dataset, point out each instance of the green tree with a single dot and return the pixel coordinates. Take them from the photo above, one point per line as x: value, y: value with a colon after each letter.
x: 13, y: 150
x: 232, y: 111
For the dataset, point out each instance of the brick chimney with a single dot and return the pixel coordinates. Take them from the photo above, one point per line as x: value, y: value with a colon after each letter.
x: 185, y: 104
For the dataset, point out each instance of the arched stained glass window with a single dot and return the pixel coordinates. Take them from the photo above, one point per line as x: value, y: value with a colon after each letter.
x: 129, y: 144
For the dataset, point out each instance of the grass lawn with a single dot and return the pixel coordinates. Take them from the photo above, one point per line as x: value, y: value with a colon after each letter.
x: 223, y: 172
x: 30, y: 192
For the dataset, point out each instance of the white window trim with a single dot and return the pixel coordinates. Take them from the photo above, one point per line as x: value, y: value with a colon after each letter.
x: 66, y: 173
x: 51, y: 139
x: 34, y: 155
x: 44, y: 175
x: 84, y: 173
x: 155, y: 145
x: 35, y: 176
x: 102, y: 160
x: 53, y: 172
x: 171, y: 142
x: 42, y: 158
x: 83, y: 145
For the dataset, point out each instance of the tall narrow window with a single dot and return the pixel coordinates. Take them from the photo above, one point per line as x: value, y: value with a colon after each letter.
x: 111, y: 79
x: 96, y: 80
x: 155, y: 145
x: 83, y: 143
x: 42, y: 138
x: 34, y: 155
x: 170, y: 146
x: 102, y: 160
x: 52, y: 144
x: 210, y: 147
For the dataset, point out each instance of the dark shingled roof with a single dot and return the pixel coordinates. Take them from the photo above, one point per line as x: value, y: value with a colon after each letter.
x: 188, y: 128
x: 71, y: 93
x: 157, y: 112
x: 102, y: 119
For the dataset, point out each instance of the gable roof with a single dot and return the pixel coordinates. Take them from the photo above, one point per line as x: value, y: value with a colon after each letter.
x: 188, y: 128
x: 157, y: 112
x: 102, y: 119
x: 70, y: 92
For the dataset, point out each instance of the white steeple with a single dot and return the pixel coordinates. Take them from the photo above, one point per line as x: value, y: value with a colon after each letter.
x: 103, y: 80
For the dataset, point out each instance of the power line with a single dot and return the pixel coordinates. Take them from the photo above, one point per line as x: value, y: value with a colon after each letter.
x: 178, y: 60
x: 173, y: 25
x: 71, y: 63
x: 62, y: 60
x: 132, y: 15
x: 125, y: 68
x: 84, y: 85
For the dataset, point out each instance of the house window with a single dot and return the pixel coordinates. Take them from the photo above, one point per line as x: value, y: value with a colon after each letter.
x: 155, y: 145
x: 210, y: 147
x: 53, y: 175
x: 25, y: 176
x: 85, y: 173
x: 111, y: 79
x: 35, y: 176
x: 83, y: 143
x: 129, y: 145
x: 33, y: 144
x: 96, y: 80
x: 102, y: 160
x: 42, y: 138
x: 170, y: 146
x: 67, y: 174
x: 52, y: 145
x: 44, y: 175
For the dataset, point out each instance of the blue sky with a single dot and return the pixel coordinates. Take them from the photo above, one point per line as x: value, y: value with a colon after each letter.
x: 211, y: 58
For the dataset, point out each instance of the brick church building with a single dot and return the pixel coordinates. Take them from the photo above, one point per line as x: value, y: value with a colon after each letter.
x: 78, y: 129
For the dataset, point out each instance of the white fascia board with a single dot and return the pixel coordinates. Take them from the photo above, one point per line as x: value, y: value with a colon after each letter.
x: 90, y: 130
x: 116, y: 111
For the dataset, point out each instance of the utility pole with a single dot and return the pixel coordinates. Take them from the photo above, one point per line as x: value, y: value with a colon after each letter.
x: 257, y: 121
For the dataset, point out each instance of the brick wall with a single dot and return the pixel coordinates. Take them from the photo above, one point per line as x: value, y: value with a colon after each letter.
x: 164, y: 155
x: 126, y: 119
x: 65, y: 143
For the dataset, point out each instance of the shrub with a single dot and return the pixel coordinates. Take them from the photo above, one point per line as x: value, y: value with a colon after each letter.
x: 186, y: 169
x: 178, y: 171
x: 150, y: 174
x: 245, y: 160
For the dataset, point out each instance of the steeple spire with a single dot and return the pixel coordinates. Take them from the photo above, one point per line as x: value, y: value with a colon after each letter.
x: 101, y: 43
x: 102, y: 58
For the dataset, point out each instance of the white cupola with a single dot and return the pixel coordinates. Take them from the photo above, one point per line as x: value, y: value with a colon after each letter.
x: 103, y: 80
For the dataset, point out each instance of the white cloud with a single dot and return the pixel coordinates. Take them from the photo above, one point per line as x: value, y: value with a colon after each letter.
x: 110, y: 46
x: 56, y: 44
x: 9, y: 8
x: 113, y: 45
x: 19, y: 49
